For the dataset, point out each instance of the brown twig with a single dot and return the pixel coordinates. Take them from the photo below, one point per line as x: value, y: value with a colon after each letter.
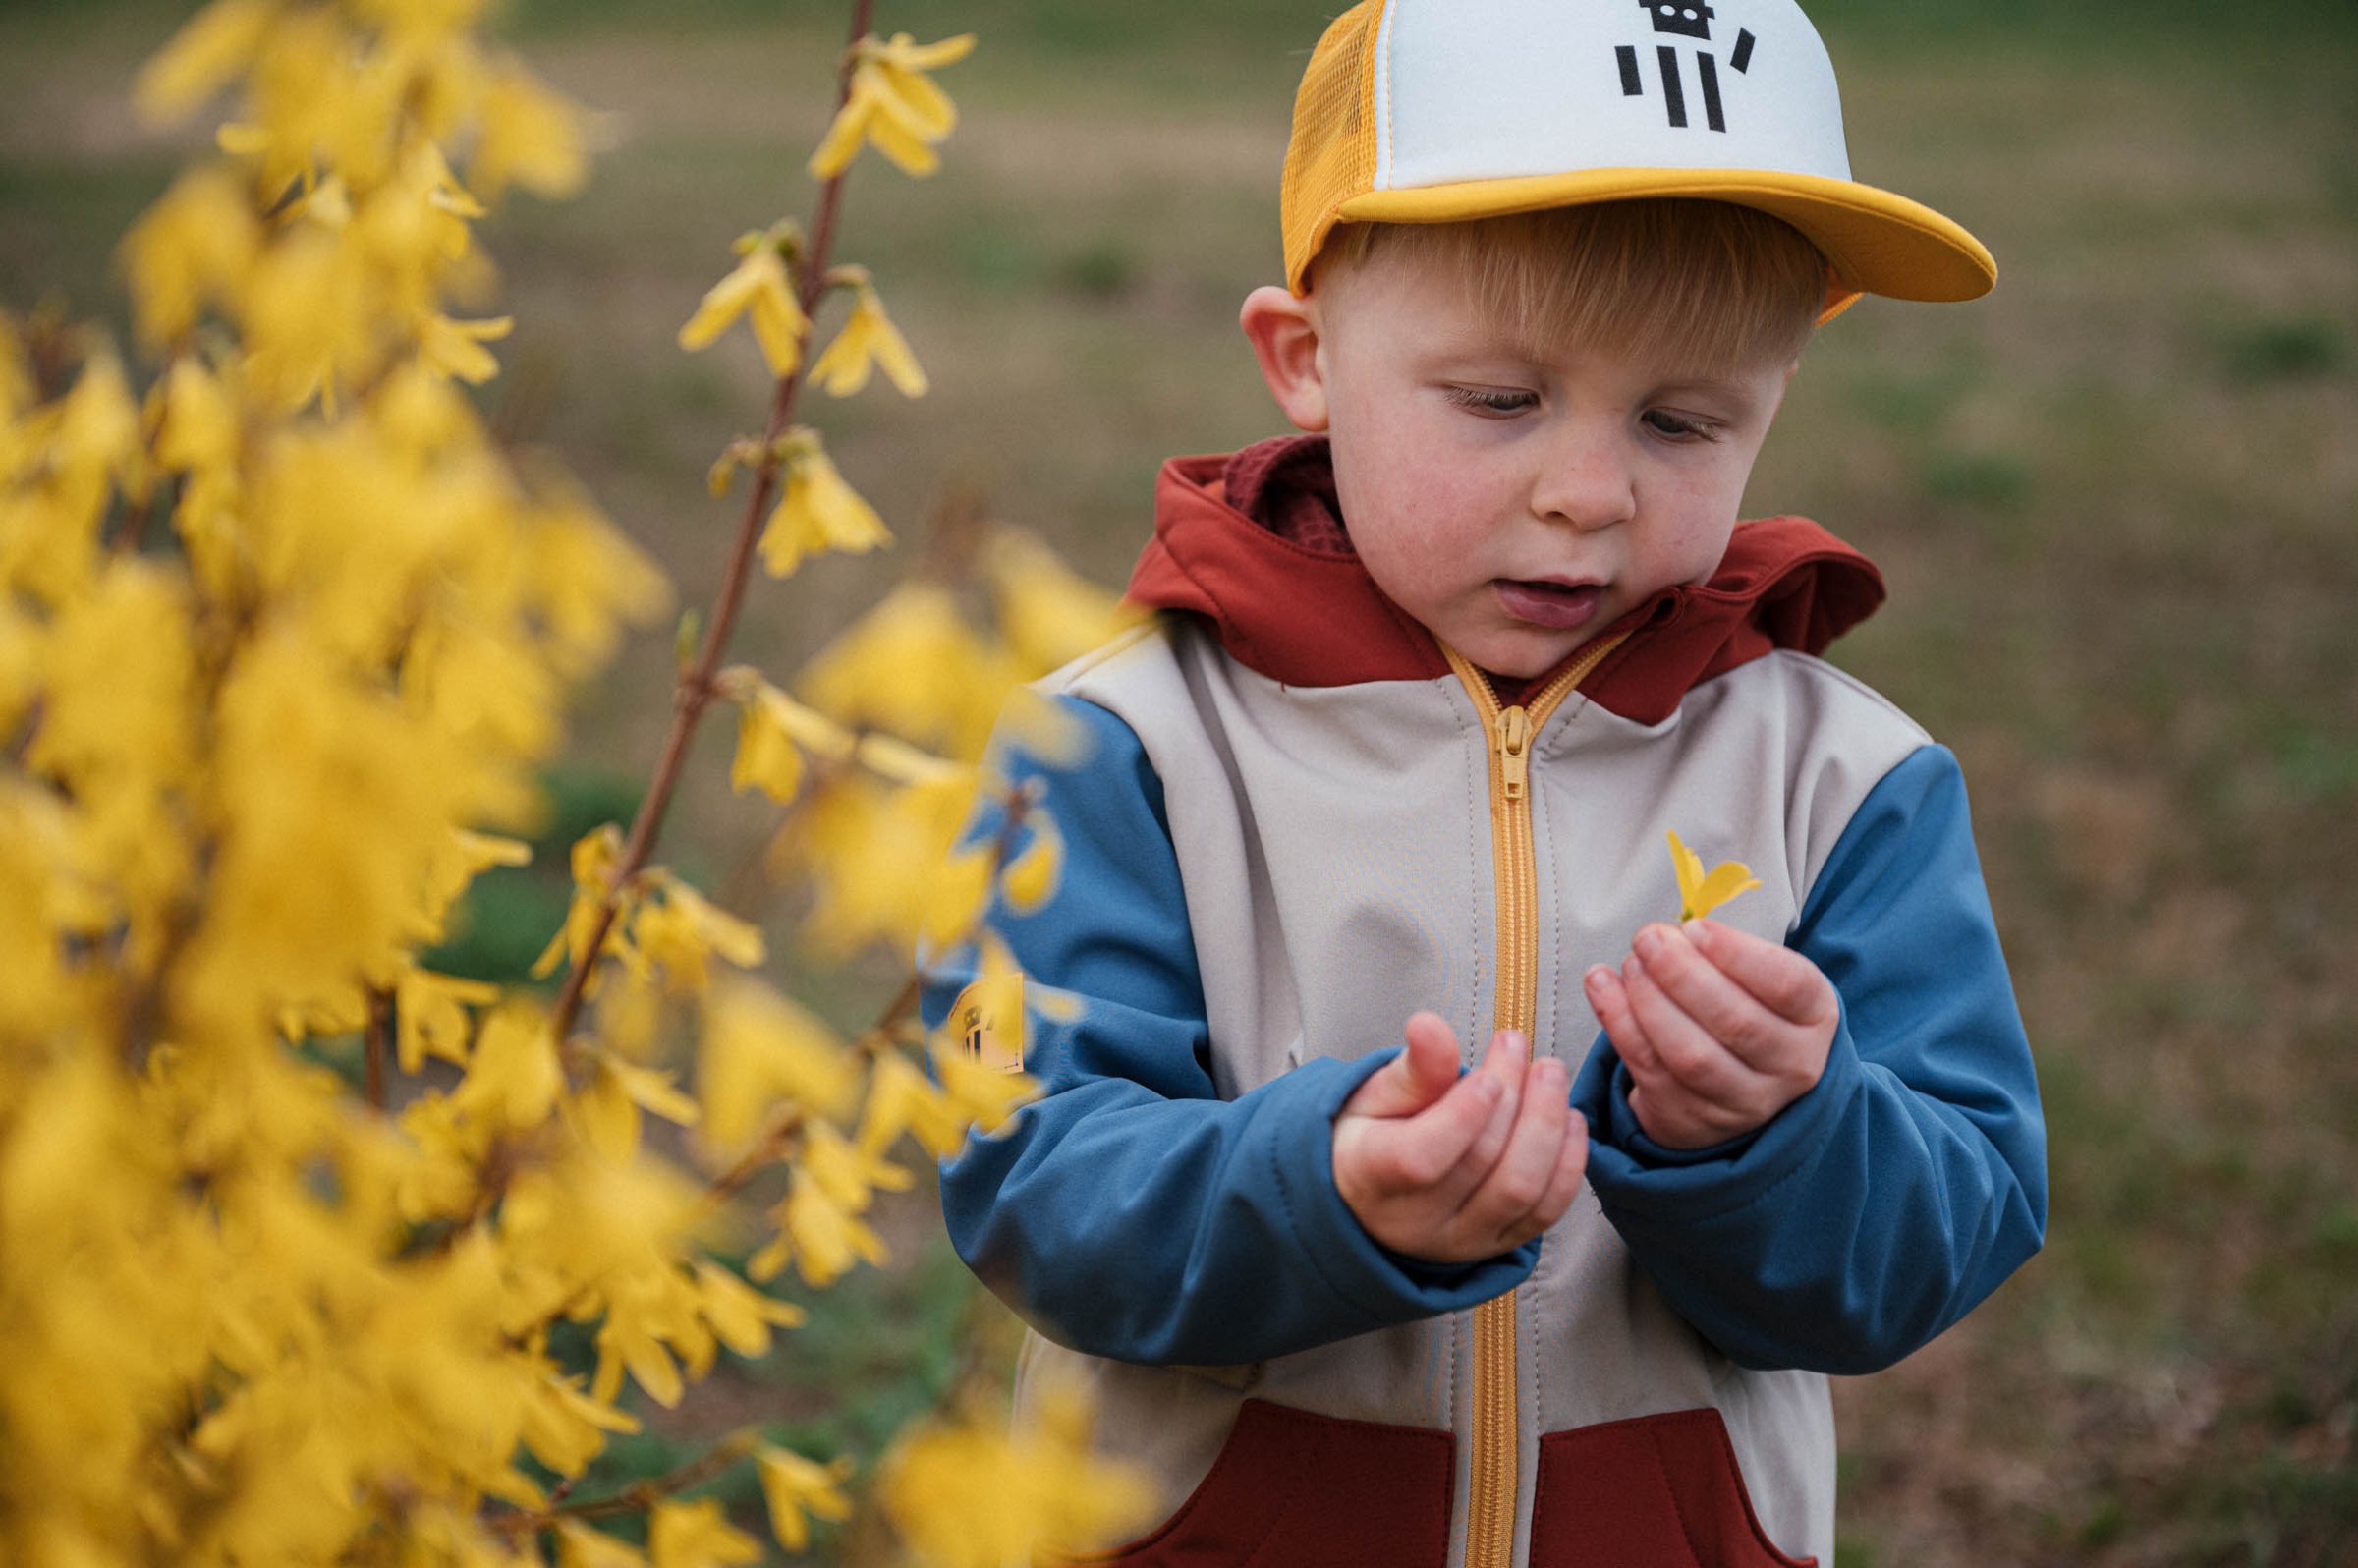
x: 130, y: 537
x: 376, y: 1043
x: 695, y: 691
x: 636, y: 1498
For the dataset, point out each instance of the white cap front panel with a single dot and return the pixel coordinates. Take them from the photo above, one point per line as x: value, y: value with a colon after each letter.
x: 1494, y: 89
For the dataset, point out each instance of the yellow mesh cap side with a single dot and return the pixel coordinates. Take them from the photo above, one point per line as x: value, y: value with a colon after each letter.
x: 1332, y: 157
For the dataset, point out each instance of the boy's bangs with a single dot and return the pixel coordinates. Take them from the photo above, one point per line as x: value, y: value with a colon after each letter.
x: 1705, y: 286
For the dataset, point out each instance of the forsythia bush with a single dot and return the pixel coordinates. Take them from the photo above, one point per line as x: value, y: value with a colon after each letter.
x: 289, y: 1222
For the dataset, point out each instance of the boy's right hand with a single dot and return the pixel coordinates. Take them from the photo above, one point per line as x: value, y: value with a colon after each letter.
x: 1450, y: 1169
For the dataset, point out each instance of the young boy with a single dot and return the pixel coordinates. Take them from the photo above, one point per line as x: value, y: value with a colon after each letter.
x: 1434, y: 683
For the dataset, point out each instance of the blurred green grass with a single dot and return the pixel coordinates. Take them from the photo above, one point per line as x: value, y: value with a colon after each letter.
x: 2117, y: 502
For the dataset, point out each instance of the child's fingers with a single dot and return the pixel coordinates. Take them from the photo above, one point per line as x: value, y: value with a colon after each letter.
x: 1415, y: 1078
x: 1784, y: 981
x: 1513, y: 1186
x: 1609, y: 999
x: 1563, y: 1183
x: 1506, y: 1056
x: 1432, y: 1148
x: 1686, y: 1051
x: 1432, y: 1054
x: 1503, y: 1065
x: 1723, y: 1010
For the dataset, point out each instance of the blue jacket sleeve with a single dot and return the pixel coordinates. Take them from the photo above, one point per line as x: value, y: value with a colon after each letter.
x: 1883, y: 1205
x: 1132, y: 1212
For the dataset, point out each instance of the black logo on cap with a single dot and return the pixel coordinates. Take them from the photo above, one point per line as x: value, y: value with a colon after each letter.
x: 1682, y: 19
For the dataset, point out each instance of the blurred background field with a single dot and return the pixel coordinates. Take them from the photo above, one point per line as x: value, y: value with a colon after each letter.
x: 2117, y: 503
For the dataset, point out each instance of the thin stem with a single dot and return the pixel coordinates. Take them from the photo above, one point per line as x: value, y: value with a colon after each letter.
x: 636, y: 1498
x: 377, y: 1045
x: 696, y: 690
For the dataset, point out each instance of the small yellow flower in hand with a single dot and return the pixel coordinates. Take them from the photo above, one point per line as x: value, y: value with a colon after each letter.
x: 1698, y: 894
x: 893, y: 104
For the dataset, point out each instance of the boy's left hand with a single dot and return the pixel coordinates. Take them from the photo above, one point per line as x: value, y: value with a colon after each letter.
x: 1719, y: 1028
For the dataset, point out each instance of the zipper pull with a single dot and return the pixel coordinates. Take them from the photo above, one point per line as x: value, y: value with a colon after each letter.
x: 1514, y: 751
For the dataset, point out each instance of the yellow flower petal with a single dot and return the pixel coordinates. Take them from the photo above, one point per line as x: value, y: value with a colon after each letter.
x: 827, y: 1238
x: 215, y: 45
x: 1030, y: 879
x: 1699, y: 894
x: 766, y: 759
x: 817, y: 512
x: 910, y: 55
x: 893, y: 105
x: 761, y: 288
x: 796, y: 1488
x: 869, y: 340
x: 696, y: 1534
x: 456, y: 347
x: 763, y: 1052
x: 531, y: 136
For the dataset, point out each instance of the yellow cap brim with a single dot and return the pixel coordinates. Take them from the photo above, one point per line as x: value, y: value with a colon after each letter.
x: 1876, y: 242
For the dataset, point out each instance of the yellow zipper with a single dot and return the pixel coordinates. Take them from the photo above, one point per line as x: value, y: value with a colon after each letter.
x: 1490, y: 1500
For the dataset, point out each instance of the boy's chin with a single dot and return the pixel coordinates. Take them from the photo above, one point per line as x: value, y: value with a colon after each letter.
x: 1522, y: 654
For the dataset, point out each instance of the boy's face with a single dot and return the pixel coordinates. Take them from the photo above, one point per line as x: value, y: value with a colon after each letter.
x: 1515, y: 498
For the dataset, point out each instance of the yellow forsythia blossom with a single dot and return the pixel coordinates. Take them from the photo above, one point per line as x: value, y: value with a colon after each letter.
x: 868, y: 340
x: 816, y: 512
x: 1048, y: 613
x: 774, y: 733
x: 1699, y: 894
x: 893, y: 105
x: 210, y: 50
x: 914, y: 667
x: 1031, y: 877
x: 975, y: 1496
x: 530, y: 136
x: 763, y: 1052
x: 759, y: 290
x: 696, y: 1536
x: 194, y: 247
x: 799, y: 1489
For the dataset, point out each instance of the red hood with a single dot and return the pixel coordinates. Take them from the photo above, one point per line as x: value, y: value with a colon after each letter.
x: 1253, y: 543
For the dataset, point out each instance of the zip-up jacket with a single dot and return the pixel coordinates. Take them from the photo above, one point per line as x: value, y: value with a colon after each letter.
x: 1300, y: 820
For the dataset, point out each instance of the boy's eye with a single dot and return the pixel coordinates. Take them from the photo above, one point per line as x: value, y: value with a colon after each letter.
x: 1675, y: 427
x: 1491, y: 400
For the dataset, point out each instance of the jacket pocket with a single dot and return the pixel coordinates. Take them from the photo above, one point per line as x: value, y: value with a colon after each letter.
x: 1661, y: 1492
x: 1294, y: 1490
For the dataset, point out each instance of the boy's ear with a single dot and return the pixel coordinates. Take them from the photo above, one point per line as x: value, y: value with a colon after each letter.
x: 1284, y: 333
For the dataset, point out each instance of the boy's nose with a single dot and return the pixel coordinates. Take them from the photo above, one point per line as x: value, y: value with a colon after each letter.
x: 1585, y: 482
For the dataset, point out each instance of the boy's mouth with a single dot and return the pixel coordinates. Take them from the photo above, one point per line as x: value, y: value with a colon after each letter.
x: 1557, y: 606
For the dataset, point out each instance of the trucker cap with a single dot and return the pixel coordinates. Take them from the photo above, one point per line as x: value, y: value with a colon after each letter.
x: 1435, y: 111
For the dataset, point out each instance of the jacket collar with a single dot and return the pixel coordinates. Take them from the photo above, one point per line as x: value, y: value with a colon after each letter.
x: 1243, y: 540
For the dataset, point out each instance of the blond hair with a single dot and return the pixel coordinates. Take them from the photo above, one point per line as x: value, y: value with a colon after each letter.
x: 1706, y: 286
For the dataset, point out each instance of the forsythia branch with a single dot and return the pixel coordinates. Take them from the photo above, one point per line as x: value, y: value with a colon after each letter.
x: 696, y: 690
x: 636, y: 1498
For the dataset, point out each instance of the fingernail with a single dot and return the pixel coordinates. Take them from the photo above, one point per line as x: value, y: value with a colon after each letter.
x: 1595, y: 976
x: 1699, y: 931
x: 1649, y: 941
